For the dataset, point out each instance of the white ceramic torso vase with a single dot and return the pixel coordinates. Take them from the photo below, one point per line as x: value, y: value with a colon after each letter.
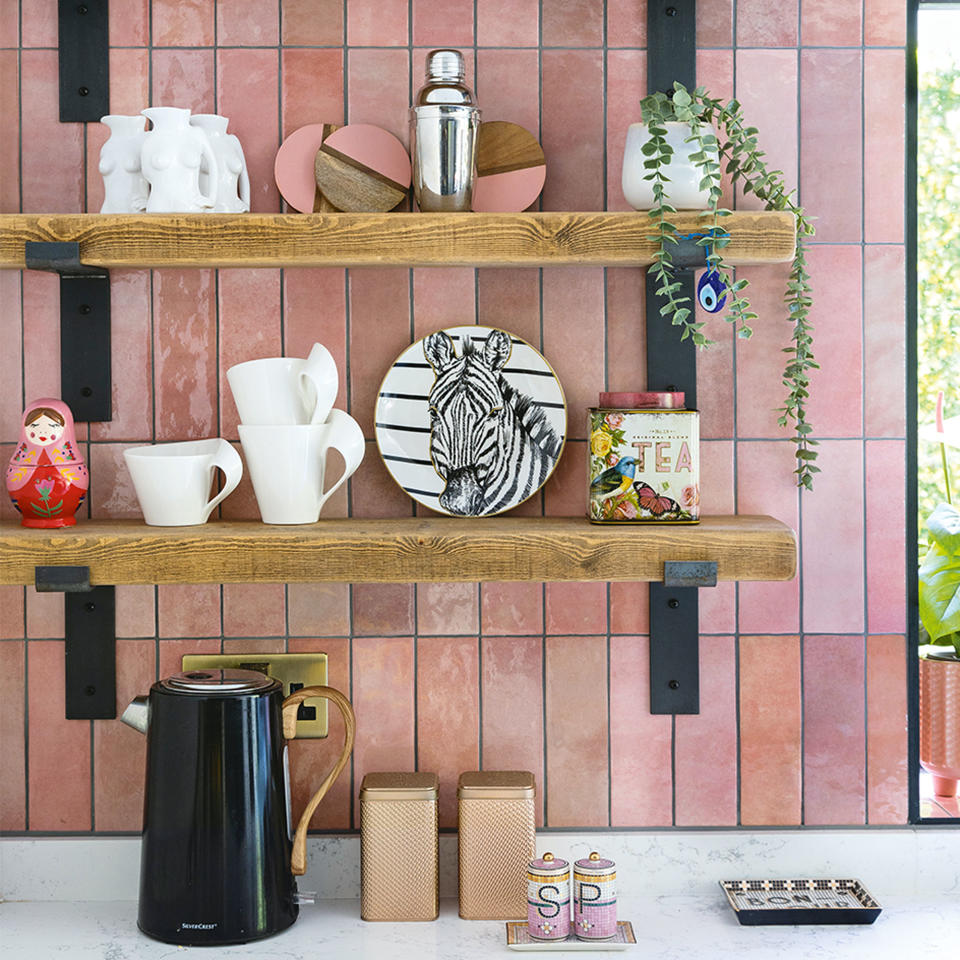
x: 124, y: 189
x: 683, y: 190
x: 171, y: 157
x: 233, y: 195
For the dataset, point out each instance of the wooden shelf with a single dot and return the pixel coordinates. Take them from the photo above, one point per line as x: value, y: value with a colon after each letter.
x: 399, y: 551
x: 380, y: 239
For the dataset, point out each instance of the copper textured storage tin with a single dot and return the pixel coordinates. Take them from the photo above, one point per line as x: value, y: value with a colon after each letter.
x: 497, y: 833
x: 398, y: 846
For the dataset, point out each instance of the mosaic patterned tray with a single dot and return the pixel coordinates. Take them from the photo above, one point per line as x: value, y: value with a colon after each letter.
x: 518, y: 938
x: 784, y: 902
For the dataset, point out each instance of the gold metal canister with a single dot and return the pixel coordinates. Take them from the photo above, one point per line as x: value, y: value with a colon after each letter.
x: 497, y: 839
x: 399, y: 855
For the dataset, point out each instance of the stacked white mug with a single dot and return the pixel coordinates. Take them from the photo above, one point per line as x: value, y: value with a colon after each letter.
x: 287, y: 426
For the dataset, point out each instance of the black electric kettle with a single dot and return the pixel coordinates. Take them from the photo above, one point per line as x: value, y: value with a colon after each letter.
x: 218, y: 860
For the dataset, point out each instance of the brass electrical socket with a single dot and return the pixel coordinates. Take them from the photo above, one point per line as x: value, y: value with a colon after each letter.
x: 296, y: 669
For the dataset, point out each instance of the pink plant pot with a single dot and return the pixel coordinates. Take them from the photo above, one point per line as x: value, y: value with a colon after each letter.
x: 940, y: 722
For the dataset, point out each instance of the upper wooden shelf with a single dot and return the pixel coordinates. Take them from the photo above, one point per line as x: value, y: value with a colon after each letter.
x: 380, y: 239
x: 399, y: 551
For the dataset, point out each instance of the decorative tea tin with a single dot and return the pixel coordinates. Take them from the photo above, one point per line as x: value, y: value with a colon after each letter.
x: 644, y: 462
x: 595, y: 898
x: 548, y: 898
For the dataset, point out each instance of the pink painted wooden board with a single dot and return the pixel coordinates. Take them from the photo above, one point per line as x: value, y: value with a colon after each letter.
x: 373, y: 147
x: 509, y: 192
x: 293, y: 168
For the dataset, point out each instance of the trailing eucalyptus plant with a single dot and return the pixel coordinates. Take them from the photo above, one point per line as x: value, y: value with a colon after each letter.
x: 738, y: 147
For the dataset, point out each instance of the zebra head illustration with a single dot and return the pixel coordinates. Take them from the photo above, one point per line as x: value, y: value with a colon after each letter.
x: 490, y: 444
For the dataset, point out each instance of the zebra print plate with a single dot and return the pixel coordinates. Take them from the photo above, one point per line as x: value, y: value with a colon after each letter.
x: 471, y: 421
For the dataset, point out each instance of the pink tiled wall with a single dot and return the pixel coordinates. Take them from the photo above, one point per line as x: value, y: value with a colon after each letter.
x: 803, y: 706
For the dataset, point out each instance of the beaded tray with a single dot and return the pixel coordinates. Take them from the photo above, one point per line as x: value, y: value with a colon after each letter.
x: 518, y: 938
x: 757, y: 902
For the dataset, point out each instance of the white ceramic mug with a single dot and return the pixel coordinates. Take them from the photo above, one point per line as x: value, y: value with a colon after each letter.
x: 173, y: 480
x: 287, y: 465
x: 285, y: 390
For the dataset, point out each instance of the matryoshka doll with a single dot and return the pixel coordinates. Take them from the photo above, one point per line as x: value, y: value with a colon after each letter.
x: 47, y: 478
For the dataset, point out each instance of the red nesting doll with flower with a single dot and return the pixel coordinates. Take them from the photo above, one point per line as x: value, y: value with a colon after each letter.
x: 47, y: 478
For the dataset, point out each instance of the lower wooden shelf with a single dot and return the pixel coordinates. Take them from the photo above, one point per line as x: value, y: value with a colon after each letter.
x: 399, y: 551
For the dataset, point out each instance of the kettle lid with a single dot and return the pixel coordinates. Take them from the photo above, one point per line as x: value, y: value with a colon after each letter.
x: 214, y: 681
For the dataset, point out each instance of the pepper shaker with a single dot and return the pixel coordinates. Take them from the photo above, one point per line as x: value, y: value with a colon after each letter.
x: 595, y: 898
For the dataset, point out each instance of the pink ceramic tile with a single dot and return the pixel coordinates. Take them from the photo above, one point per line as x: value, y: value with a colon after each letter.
x: 641, y: 766
x: 442, y: 23
x: 886, y: 730
x: 379, y: 332
x: 44, y: 615
x: 565, y: 493
x: 626, y: 24
x: 767, y: 23
x: 51, y: 152
x: 626, y: 329
x: 312, y: 22
x: 129, y: 25
x: 311, y: 87
x: 248, y: 23
x: 254, y: 609
x: 715, y: 72
x: 249, y: 311
x: 836, y: 406
x: 379, y: 84
x: 833, y: 730
x: 629, y: 607
x: 770, y: 731
x: 830, y: 180
x: 136, y: 610
x: 448, y: 714
x: 183, y: 78
x: 7, y: 509
x: 572, y: 129
x: 383, y: 698
x: 119, y: 751
x: 883, y: 146
x: 706, y: 744
x: 131, y: 359
x: 242, y: 503
x: 247, y: 94
x: 504, y: 81
x: 182, y: 23
x: 508, y: 23
x: 318, y: 609
x: 576, y: 608
x: 443, y: 297
x: 714, y: 24
x: 884, y: 346
x: 717, y: 606
x: 13, y: 809
x: 573, y: 338
x: 41, y: 335
x: 447, y: 608
x: 832, y: 541
x: 9, y: 23
x: 626, y: 87
x: 574, y: 23
x: 374, y: 492
x: 311, y: 760
x: 38, y: 25
x: 513, y: 609
x: 111, y: 492
x: 510, y: 298
x: 59, y: 761
x: 884, y: 23
x: 12, y: 623
x: 10, y: 143
x: 715, y: 380
x: 577, y: 787
x: 172, y: 652
x: 377, y: 23
x: 766, y: 485
x: 823, y: 23
x: 11, y: 358
x: 512, y: 721
x: 189, y: 610
x: 185, y: 362
x: 382, y: 609
x: 885, y: 536
x: 245, y: 645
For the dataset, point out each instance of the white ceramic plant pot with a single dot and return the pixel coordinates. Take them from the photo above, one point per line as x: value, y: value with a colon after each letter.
x: 124, y: 189
x: 171, y: 157
x: 683, y: 189
x: 233, y: 195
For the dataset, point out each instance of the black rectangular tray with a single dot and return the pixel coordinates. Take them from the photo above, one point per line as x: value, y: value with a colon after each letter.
x: 787, y: 902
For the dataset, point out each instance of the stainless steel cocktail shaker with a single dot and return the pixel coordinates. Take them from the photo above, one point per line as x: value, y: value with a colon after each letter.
x: 444, y: 123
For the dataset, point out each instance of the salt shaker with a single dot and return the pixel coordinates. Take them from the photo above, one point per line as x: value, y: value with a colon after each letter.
x: 444, y: 123
x: 548, y: 898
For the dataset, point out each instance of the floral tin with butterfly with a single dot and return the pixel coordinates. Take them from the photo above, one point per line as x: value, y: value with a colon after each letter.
x: 644, y: 460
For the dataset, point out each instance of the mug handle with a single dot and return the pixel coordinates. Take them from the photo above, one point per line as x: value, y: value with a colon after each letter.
x: 228, y: 460
x: 346, y: 437
x: 298, y: 856
x: 320, y: 373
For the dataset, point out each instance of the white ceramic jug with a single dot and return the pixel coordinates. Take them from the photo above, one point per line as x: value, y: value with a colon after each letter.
x: 124, y: 189
x: 233, y: 195
x: 171, y: 157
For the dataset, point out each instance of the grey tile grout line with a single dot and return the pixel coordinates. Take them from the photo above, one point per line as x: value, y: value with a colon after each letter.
x: 800, y: 617
x: 863, y: 428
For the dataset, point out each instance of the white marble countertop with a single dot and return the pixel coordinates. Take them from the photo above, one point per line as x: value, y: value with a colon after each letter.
x: 667, y: 928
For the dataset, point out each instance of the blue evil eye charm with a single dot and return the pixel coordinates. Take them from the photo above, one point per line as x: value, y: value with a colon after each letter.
x: 711, y: 293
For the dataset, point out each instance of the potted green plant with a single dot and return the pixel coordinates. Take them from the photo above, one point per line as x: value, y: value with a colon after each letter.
x: 718, y: 135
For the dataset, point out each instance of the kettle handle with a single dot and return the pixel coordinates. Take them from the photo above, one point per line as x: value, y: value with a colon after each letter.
x: 298, y: 858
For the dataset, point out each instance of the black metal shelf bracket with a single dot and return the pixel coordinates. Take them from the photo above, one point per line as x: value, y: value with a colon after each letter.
x: 672, y: 365
x: 90, y: 630
x: 85, y: 382
x: 84, y: 60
